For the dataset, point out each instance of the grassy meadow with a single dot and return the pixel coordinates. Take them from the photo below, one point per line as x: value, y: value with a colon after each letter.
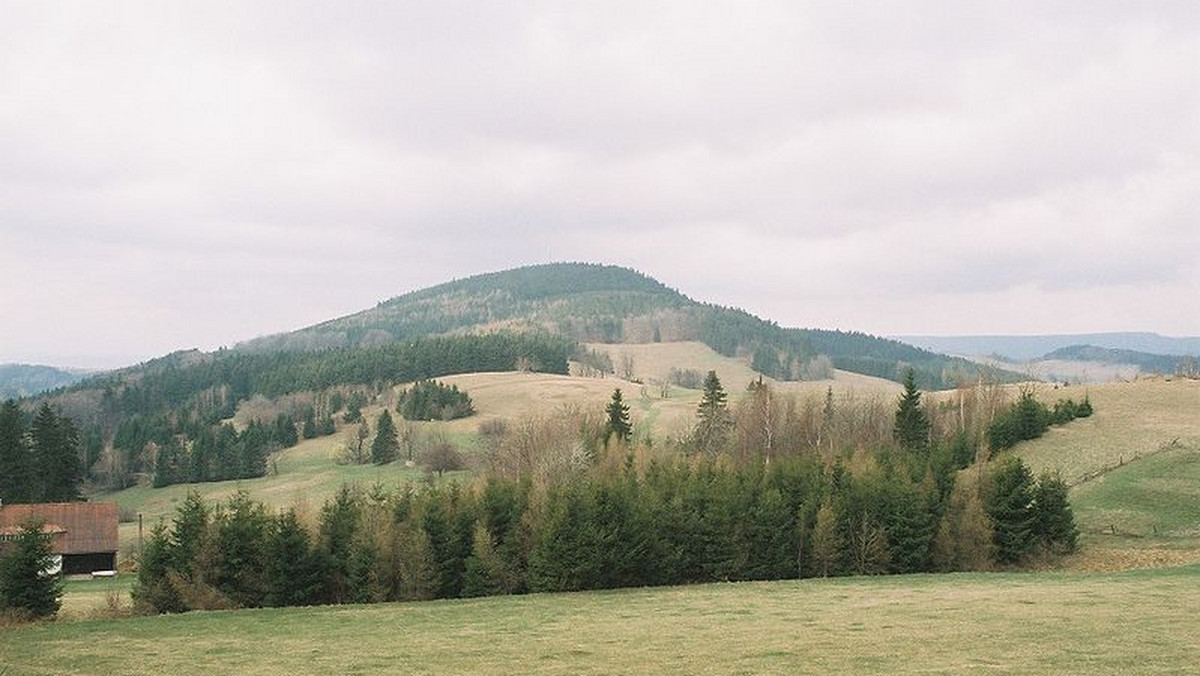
x: 1139, y: 622
x: 1132, y: 420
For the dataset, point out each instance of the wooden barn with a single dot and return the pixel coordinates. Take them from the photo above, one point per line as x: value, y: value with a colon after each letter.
x: 85, y: 533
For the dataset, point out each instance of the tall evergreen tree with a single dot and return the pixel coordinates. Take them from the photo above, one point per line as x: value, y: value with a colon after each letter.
x: 25, y: 584
x: 1009, y: 504
x: 189, y: 533
x: 911, y: 428
x: 712, y: 417
x: 153, y: 591
x: 340, y: 520
x: 15, y: 470
x: 56, y: 456
x: 618, y: 418
x: 1053, y: 520
x: 241, y: 545
x: 386, y: 446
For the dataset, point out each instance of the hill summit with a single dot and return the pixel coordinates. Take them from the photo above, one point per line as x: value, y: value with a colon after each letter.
x: 594, y: 303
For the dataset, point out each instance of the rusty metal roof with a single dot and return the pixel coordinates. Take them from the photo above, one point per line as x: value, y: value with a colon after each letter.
x: 86, y: 527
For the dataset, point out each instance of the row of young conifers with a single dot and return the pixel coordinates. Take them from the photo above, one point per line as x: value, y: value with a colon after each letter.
x: 623, y: 514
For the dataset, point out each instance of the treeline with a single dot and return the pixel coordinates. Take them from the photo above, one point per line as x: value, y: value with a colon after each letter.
x: 1027, y: 418
x: 234, y: 376
x: 168, y: 416
x: 670, y: 522
x: 40, y: 458
x: 221, y: 453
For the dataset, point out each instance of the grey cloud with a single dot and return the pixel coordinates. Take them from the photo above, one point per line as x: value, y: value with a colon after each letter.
x: 854, y: 157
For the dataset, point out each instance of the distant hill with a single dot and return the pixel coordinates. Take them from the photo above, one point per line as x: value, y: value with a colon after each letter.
x: 1028, y: 348
x: 26, y: 380
x: 1146, y: 362
x: 610, y: 304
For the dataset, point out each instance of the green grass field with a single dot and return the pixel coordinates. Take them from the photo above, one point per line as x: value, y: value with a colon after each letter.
x: 1133, y: 622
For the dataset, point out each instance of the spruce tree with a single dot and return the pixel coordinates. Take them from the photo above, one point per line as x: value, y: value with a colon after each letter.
x: 189, y: 533
x: 153, y: 591
x: 55, y: 451
x: 911, y: 428
x: 1031, y: 418
x: 908, y: 526
x: 618, y: 419
x: 1009, y: 504
x: 386, y: 446
x: 285, y: 431
x: 15, y: 468
x: 340, y: 520
x: 242, y: 529
x: 25, y: 584
x: 713, y: 421
x: 1054, y: 522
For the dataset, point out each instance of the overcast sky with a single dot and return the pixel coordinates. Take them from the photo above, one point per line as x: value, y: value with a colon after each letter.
x: 177, y: 175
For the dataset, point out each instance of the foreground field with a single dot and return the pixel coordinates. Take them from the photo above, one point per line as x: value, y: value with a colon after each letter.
x: 1140, y: 622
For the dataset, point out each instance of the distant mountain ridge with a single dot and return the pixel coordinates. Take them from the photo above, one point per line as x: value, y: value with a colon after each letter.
x: 1028, y: 348
x: 1146, y: 362
x: 26, y: 380
x: 595, y: 303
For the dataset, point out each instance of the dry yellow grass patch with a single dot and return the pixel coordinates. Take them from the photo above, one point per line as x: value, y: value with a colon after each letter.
x: 654, y: 361
x: 1132, y: 420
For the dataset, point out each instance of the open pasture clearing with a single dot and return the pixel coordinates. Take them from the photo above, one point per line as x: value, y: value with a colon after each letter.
x: 654, y: 361
x: 1129, y: 622
x: 1132, y: 420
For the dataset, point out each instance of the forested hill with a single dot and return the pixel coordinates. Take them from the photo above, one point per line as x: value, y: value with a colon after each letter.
x: 1154, y: 363
x: 23, y: 380
x: 610, y: 304
x: 582, y: 301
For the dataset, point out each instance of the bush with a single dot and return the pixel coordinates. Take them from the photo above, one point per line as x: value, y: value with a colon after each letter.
x: 442, y: 457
